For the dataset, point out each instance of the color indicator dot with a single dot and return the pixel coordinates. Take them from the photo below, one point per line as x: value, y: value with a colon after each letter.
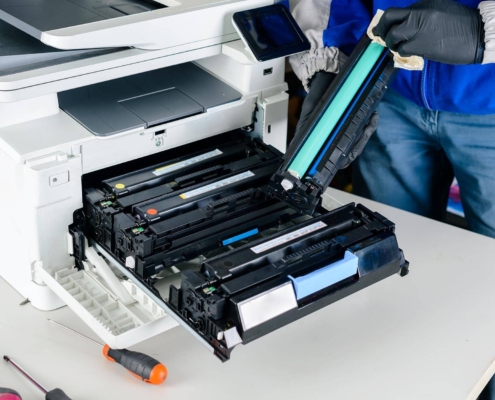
x: 119, y: 186
x: 151, y: 211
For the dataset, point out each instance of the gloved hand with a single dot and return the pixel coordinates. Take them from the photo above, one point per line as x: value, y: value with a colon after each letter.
x: 362, y: 140
x: 320, y: 82
x: 438, y: 30
x: 318, y: 85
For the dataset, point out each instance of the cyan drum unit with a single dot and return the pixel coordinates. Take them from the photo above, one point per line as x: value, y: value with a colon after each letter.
x: 323, y: 145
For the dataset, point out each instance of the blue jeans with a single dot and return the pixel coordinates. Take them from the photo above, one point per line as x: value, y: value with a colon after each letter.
x: 411, y: 160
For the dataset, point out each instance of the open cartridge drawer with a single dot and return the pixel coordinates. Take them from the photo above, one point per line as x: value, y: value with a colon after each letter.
x: 198, y: 237
x: 120, y: 309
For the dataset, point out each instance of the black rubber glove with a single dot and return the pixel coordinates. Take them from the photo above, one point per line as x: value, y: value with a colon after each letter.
x: 438, y: 30
x: 366, y: 133
x: 320, y: 82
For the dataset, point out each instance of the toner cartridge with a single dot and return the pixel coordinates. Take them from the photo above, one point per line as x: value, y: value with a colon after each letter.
x: 233, y: 164
x: 195, y: 168
x: 159, y: 209
x: 219, y: 225
x: 243, y: 294
x: 322, y: 147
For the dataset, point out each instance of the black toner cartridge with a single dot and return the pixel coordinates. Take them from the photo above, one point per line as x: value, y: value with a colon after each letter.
x: 161, y: 208
x: 195, y: 168
x: 316, y: 154
x: 219, y: 225
x: 248, y: 292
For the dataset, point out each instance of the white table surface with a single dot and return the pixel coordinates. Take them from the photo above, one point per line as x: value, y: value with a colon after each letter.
x: 430, y: 335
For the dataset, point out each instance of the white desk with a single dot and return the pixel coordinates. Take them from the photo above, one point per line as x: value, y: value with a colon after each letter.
x: 430, y: 335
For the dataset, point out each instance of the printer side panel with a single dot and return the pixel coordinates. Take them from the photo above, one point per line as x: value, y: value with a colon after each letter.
x: 37, y: 202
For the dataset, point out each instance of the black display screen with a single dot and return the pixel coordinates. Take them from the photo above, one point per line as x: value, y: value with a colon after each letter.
x: 271, y: 32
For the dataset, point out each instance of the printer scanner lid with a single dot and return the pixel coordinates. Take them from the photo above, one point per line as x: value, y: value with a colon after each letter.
x: 90, y: 24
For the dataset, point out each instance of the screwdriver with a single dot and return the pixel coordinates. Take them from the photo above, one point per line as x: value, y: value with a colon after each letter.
x: 140, y: 365
x: 55, y: 394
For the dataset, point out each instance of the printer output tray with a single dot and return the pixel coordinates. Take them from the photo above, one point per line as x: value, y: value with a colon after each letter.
x: 199, y: 235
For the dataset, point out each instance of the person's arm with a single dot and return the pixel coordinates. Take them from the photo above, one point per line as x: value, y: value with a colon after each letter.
x: 441, y: 30
x: 333, y: 28
x: 487, y: 11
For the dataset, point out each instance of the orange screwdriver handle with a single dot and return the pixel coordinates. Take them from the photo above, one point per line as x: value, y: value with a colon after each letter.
x: 140, y: 365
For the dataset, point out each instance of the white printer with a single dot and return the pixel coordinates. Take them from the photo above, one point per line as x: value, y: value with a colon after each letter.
x: 116, y: 53
x: 91, y: 90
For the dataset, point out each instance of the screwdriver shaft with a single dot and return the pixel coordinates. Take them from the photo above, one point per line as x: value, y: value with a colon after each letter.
x: 140, y: 365
x: 76, y: 332
x: 23, y: 372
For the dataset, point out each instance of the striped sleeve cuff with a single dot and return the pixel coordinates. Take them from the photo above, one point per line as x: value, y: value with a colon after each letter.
x: 305, y: 65
x: 487, y: 11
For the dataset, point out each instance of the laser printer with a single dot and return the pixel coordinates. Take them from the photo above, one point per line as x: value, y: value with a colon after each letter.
x: 145, y: 176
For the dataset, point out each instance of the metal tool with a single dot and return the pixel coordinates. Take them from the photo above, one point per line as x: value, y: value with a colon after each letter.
x: 140, y: 365
x: 55, y: 394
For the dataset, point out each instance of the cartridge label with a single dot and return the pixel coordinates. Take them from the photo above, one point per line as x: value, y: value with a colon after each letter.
x: 217, y: 185
x: 287, y: 238
x: 174, y: 167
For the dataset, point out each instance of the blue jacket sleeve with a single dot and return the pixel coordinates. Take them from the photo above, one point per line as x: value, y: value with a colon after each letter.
x: 348, y: 22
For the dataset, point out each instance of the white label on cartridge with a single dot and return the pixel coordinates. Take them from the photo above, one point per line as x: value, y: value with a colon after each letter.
x: 287, y: 238
x: 217, y: 185
x: 186, y: 163
x: 270, y: 304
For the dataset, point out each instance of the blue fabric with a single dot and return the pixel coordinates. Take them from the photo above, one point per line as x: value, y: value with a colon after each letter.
x: 410, y: 161
x: 464, y: 89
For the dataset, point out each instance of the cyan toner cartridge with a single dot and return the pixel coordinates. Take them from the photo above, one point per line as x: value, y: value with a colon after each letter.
x: 318, y: 151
